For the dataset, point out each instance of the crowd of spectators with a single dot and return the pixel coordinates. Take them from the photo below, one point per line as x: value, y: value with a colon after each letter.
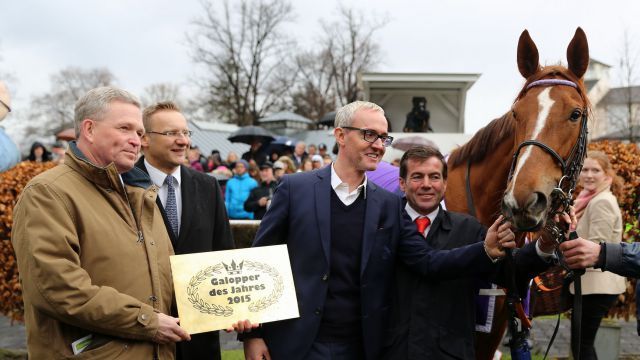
x: 248, y: 170
x: 255, y: 173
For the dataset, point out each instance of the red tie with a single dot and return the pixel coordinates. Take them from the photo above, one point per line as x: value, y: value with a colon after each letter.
x: 423, y: 224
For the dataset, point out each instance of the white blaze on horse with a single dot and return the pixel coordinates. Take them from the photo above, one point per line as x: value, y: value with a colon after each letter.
x: 525, y: 162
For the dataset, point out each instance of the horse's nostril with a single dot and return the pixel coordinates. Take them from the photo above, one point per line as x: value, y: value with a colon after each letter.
x: 537, y: 202
x: 506, y: 209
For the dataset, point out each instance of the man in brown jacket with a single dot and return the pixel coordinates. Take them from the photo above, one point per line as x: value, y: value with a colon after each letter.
x: 92, y: 249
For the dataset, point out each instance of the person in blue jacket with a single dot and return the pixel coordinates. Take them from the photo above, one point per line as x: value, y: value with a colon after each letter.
x: 9, y: 153
x: 237, y: 191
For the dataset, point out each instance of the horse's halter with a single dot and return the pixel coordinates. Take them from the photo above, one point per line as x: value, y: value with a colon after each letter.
x: 561, y: 196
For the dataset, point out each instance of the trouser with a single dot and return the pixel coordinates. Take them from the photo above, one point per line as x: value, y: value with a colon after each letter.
x: 336, y: 351
x: 594, y: 308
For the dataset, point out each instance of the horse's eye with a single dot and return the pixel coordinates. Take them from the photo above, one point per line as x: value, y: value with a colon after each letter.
x: 576, y: 115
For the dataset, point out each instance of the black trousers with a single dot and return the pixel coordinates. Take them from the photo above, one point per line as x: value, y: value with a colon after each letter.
x: 336, y: 351
x: 594, y: 308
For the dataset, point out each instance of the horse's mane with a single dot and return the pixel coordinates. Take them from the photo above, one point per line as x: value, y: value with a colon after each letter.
x: 492, y: 135
x: 484, y: 141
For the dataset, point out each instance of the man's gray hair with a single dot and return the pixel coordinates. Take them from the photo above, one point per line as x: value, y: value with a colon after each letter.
x: 344, y: 116
x: 96, y: 101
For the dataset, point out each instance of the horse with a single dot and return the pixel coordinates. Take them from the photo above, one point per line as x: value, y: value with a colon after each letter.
x: 520, y: 163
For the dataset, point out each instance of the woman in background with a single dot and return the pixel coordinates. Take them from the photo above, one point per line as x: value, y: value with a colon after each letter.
x: 39, y: 153
x: 599, y: 220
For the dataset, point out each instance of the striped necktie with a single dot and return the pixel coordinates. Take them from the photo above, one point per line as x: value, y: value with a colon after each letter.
x: 171, y: 207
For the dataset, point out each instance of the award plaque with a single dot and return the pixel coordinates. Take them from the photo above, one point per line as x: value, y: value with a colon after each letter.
x: 217, y: 289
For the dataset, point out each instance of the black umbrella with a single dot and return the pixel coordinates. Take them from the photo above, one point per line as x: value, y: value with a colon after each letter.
x: 281, y: 144
x: 249, y: 134
x: 328, y: 119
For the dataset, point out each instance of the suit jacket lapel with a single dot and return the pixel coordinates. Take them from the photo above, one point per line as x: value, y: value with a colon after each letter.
x: 372, y: 216
x: 322, y: 191
x: 188, y: 191
x: 172, y: 237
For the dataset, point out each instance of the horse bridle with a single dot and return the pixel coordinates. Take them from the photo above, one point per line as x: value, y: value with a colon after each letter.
x: 561, y: 195
x: 561, y: 198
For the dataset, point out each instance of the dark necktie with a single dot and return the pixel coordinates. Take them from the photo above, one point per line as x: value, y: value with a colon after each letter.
x: 171, y: 207
x: 422, y: 223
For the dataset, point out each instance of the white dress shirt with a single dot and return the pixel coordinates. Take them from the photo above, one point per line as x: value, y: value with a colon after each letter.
x: 342, y: 188
x: 157, y: 177
x: 414, y: 215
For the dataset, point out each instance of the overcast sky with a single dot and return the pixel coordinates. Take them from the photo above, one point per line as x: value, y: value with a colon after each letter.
x: 143, y: 41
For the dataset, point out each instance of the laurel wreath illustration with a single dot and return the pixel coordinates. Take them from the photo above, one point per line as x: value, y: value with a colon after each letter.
x: 197, y: 302
x: 218, y: 310
x: 278, y: 286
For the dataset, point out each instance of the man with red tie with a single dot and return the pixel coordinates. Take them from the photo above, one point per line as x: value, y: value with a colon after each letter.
x: 434, y: 318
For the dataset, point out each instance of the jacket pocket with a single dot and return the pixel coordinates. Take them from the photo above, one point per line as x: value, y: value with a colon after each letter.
x: 111, y: 350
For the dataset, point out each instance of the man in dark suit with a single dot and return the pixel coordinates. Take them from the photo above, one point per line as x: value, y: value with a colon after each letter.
x: 344, y: 235
x: 434, y: 318
x: 190, y: 201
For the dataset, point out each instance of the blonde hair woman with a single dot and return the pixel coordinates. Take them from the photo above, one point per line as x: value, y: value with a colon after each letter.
x: 291, y: 167
x: 599, y: 220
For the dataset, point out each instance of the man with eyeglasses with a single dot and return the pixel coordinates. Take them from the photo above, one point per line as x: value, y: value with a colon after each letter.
x: 190, y: 201
x: 344, y: 235
x: 92, y: 251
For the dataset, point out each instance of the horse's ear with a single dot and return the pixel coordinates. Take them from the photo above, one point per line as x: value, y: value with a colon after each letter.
x: 578, y: 53
x: 527, y: 55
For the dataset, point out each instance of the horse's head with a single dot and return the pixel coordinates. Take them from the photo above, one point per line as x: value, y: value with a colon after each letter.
x: 550, y: 114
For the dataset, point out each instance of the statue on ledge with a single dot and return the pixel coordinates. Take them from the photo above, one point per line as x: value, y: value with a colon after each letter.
x: 418, y: 118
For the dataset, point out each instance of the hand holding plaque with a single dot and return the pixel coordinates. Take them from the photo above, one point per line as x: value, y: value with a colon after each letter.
x: 215, y: 290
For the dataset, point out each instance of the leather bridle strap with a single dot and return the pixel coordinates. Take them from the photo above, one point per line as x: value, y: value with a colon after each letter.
x: 470, y: 206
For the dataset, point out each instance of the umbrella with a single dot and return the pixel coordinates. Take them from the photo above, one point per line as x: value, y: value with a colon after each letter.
x: 328, y: 119
x: 66, y: 134
x: 408, y: 142
x: 285, y: 116
x: 250, y: 134
x: 385, y: 175
x: 281, y: 144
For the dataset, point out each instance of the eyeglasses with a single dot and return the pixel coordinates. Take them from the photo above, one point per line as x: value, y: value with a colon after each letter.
x: 371, y: 136
x: 173, y: 134
x: 5, y: 105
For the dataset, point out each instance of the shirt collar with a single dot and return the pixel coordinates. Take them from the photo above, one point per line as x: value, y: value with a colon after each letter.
x: 414, y: 214
x: 336, y: 182
x: 158, y: 176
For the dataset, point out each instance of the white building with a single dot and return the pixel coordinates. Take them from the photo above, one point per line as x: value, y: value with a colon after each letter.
x: 612, y: 107
x: 446, y: 96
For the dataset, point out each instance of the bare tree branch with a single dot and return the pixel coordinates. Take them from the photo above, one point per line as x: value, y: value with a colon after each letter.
x: 351, y: 50
x: 53, y: 111
x: 241, y: 50
x: 155, y: 93
x: 329, y: 77
x: 624, y: 112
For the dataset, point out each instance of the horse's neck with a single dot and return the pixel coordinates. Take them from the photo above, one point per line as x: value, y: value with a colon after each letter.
x: 488, y: 180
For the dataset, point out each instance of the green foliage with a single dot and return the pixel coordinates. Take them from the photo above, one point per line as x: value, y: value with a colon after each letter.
x: 230, y: 355
x: 13, y: 355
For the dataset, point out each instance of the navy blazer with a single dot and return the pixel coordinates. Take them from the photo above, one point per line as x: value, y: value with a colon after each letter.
x: 300, y: 216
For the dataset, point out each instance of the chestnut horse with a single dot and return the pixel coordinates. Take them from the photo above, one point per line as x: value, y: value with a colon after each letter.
x: 514, y: 163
